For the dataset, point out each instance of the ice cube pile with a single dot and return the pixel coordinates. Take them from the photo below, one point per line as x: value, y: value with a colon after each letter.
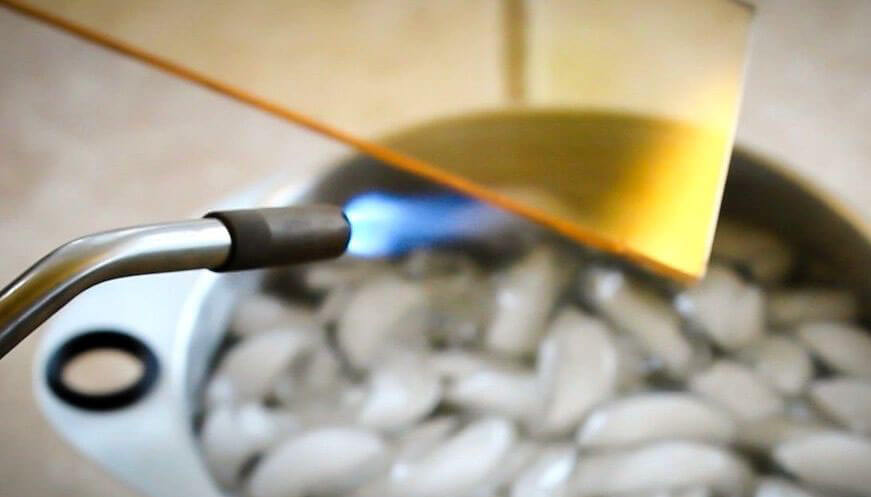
x: 550, y: 373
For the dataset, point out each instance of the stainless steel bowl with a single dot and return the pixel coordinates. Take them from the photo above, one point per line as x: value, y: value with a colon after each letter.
x: 181, y: 317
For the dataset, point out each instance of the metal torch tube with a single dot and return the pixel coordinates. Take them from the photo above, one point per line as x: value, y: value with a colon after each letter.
x: 82, y: 263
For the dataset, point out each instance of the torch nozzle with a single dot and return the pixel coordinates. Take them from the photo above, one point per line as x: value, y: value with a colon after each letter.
x: 222, y: 241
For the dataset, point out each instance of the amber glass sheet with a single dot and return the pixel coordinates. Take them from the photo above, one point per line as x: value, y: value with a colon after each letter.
x: 610, y: 121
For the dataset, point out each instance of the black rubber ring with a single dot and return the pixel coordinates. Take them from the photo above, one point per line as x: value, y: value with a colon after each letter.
x: 102, y: 339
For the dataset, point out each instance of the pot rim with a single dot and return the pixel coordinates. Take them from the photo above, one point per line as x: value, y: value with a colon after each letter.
x: 161, y: 456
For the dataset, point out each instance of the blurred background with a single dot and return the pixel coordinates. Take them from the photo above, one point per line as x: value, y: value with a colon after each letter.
x: 72, y: 161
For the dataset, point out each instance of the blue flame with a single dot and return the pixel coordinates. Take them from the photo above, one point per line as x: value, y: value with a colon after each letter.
x: 386, y: 224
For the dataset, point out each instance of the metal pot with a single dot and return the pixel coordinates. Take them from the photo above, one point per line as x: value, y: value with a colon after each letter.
x: 175, y: 322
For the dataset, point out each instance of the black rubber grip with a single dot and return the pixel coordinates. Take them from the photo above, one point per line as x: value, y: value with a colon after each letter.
x: 277, y: 236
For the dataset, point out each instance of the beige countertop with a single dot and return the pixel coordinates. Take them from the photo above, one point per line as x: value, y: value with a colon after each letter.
x: 71, y: 162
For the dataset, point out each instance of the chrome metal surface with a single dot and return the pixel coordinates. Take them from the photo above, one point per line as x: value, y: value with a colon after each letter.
x: 82, y: 263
